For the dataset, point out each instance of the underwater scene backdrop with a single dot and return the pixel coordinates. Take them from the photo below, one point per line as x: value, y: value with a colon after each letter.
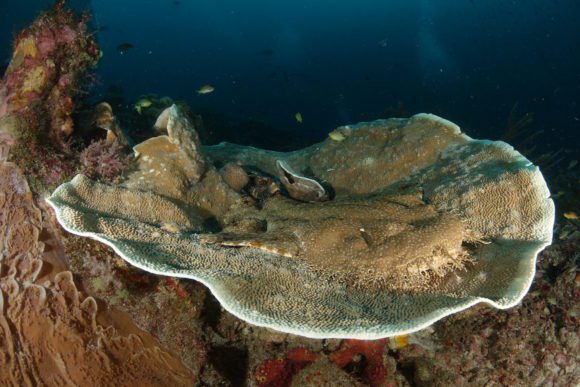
x: 290, y: 193
x: 339, y: 62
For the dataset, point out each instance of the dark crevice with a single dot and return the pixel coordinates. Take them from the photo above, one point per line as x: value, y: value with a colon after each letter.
x: 407, y: 369
x: 231, y: 362
x: 211, y: 312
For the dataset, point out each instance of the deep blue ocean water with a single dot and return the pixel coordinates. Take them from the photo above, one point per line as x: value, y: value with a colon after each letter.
x: 338, y: 62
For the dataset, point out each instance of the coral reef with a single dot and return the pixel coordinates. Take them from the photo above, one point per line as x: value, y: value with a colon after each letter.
x: 374, y: 371
x: 141, y: 295
x: 280, y: 371
x: 451, y: 222
x: 51, y: 334
x: 44, y: 74
x: 535, y: 343
x: 325, y: 373
x: 110, y: 323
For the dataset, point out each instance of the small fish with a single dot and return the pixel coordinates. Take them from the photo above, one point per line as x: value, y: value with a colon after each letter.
x: 564, y: 234
x: 298, y: 117
x: 336, y: 136
x: 176, y: 3
x: 143, y: 103
x: 205, y: 89
x: 340, y: 133
x: 124, y: 47
x: 571, y: 215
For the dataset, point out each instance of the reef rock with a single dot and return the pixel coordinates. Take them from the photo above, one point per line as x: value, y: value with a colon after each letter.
x: 425, y: 222
x: 40, y: 84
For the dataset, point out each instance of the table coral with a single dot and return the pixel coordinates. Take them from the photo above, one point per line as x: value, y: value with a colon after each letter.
x: 425, y: 222
x: 535, y: 343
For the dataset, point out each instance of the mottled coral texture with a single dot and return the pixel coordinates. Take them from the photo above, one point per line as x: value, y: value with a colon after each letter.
x: 234, y: 176
x: 44, y: 75
x: 425, y: 222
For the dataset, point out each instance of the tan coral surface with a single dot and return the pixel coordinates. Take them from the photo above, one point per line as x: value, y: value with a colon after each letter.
x: 393, y: 241
x: 50, y: 333
x: 426, y: 222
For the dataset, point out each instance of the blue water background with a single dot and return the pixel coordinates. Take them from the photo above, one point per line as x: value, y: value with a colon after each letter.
x: 338, y: 62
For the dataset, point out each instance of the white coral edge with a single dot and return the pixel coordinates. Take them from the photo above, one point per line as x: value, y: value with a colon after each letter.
x: 230, y: 305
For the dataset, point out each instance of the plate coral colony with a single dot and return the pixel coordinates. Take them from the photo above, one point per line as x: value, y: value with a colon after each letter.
x: 380, y: 230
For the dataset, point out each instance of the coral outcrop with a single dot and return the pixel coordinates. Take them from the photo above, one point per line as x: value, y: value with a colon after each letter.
x: 234, y: 176
x: 44, y: 76
x: 50, y: 333
x: 426, y: 222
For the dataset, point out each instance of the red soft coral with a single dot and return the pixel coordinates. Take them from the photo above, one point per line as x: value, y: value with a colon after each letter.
x: 279, y: 372
x: 374, y: 372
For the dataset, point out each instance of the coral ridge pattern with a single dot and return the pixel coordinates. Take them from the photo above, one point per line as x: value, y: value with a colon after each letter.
x: 425, y: 222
